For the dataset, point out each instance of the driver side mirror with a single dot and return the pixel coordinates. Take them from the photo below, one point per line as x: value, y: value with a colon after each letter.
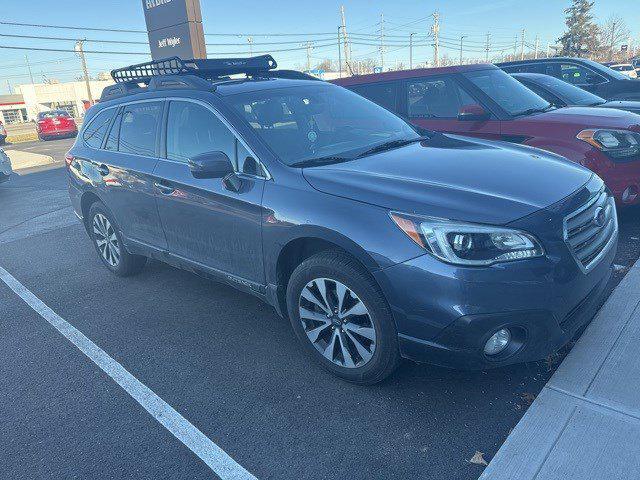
x: 472, y: 113
x: 211, y: 165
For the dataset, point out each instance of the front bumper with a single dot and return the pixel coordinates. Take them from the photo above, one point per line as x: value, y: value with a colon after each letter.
x: 445, y: 313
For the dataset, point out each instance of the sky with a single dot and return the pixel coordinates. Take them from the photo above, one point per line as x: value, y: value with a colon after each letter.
x: 260, y: 20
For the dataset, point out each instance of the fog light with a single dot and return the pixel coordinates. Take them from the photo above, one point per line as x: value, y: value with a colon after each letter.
x: 498, y: 342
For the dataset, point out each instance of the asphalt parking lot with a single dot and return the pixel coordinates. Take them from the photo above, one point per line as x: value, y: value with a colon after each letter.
x: 224, y: 361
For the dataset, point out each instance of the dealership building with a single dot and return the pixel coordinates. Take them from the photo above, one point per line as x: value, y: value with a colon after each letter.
x: 30, y: 99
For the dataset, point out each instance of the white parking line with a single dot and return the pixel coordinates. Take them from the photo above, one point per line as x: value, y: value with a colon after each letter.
x: 217, y: 459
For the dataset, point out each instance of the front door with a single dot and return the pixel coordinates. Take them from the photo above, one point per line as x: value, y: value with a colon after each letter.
x: 205, y: 221
x: 434, y: 103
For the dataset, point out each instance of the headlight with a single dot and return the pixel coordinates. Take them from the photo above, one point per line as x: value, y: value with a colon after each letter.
x: 615, y: 143
x: 466, y: 243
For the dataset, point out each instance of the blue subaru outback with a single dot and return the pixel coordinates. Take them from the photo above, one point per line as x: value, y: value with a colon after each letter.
x: 376, y: 241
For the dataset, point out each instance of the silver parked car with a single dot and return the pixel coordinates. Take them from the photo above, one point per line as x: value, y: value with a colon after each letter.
x: 5, y: 166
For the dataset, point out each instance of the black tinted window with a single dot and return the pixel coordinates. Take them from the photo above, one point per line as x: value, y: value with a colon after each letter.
x: 94, y: 132
x: 579, y: 75
x: 436, y: 98
x: 193, y: 129
x: 139, y: 128
x: 526, y: 68
x: 384, y: 94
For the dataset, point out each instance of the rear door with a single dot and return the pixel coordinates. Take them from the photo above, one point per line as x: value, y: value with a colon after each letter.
x: 434, y: 103
x: 205, y: 221
x: 125, y: 165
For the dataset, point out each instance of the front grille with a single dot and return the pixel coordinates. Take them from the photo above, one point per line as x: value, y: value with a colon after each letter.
x: 591, y: 230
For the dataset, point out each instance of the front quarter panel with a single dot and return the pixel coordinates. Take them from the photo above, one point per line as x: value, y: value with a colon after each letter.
x: 294, y: 210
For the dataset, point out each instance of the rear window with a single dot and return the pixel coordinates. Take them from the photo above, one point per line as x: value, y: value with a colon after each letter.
x: 95, y: 131
x: 53, y: 114
x: 139, y: 128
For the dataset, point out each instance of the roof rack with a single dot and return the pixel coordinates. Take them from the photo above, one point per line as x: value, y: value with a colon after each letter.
x: 207, y: 68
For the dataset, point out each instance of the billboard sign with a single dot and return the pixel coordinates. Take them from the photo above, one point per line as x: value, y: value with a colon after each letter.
x: 174, y: 28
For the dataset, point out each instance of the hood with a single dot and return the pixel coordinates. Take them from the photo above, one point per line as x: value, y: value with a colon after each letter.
x: 628, y: 105
x: 586, y: 117
x: 455, y: 178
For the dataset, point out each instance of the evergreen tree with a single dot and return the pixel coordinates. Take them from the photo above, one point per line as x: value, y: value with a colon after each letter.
x: 581, y: 37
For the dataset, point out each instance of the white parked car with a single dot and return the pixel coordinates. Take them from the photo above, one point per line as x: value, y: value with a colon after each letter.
x: 625, y: 69
x: 5, y: 166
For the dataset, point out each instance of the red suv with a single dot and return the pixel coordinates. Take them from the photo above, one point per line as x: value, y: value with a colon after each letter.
x: 483, y: 101
x: 55, y: 123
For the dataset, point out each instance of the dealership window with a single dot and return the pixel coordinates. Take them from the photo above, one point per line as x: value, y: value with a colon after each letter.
x: 14, y: 115
x: 436, y: 98
x: 94, y: 132
x: 139, y: 128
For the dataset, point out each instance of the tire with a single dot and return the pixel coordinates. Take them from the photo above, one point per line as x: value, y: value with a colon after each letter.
x: 336, y: 270
x: 42, y: 138
x: 113, y: 254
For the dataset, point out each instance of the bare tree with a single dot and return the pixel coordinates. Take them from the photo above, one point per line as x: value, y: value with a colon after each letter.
x: 614, y: 33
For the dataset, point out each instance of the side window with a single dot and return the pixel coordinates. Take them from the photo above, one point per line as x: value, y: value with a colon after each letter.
x: 384, y: 94
x: 114, y: 134
x: 526, y: 68
x: 193, y: 129
x: 94, y: 132
x: 541, y: 92
x: 139, y: 128
x: 579, y: 75
x: 436, y: 98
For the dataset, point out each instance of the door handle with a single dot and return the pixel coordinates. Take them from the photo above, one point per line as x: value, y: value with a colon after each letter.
x: 164, y: 189
x: 103, y: 169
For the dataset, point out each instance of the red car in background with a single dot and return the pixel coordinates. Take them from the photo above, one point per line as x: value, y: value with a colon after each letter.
x: 484, y: 101
x: 54, y: 124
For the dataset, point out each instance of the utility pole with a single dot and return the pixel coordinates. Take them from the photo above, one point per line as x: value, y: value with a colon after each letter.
x: 487, y: 47
x: 522, y: 45
x: 9, y: 87
x: 515, y: 47
x: 462, y: 37
x: 411, y: 51
x: 347, y: 53
x: 339, y: 53
x: 250, y: 42
x: 26, y: 59
x: 309, y: 46
x: 537, y: 47
x: 80, y: 51
x: 436, y: 38
x: 382, y: 41
x: 548, y: 50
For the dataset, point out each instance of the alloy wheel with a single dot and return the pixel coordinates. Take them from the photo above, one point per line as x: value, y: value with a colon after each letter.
x: 106, y: 240
x: 337, y: 323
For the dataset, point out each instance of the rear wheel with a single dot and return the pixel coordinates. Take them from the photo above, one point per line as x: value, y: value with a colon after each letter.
x: 341, y: 317
x: 107, y: 240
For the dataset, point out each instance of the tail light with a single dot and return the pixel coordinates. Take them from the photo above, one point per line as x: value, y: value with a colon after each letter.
x: 68, y: 159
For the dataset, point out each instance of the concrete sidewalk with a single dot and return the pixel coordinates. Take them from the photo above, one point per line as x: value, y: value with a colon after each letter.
x: 585, y: 424
x: 21, y: 159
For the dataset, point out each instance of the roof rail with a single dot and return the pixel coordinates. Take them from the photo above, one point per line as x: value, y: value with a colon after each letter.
x: 207, y: 68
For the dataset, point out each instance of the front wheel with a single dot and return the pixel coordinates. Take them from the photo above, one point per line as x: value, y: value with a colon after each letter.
x: 107, y: 240
x: 342, y: 319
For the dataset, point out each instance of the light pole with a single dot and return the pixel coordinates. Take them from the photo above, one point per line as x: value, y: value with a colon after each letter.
x: 462, y: 37
x: 411, y: 50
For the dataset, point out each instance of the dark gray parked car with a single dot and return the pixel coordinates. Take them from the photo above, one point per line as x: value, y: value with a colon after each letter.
x: 377, y: 242
x: 5, y: 166
x: 562, y: 94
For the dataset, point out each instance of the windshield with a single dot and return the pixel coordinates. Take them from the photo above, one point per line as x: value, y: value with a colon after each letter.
x: 506, y: 91
x: 603, y: 69
x: 319, y: 122
x: 570, y: 94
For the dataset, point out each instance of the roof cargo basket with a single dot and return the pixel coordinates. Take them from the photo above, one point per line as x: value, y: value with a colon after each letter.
x: 207, y: 68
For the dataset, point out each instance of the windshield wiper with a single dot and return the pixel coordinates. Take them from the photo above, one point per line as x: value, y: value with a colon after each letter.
x: 391, y: 145
x: 314, y: 162
x: 530, y: 111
